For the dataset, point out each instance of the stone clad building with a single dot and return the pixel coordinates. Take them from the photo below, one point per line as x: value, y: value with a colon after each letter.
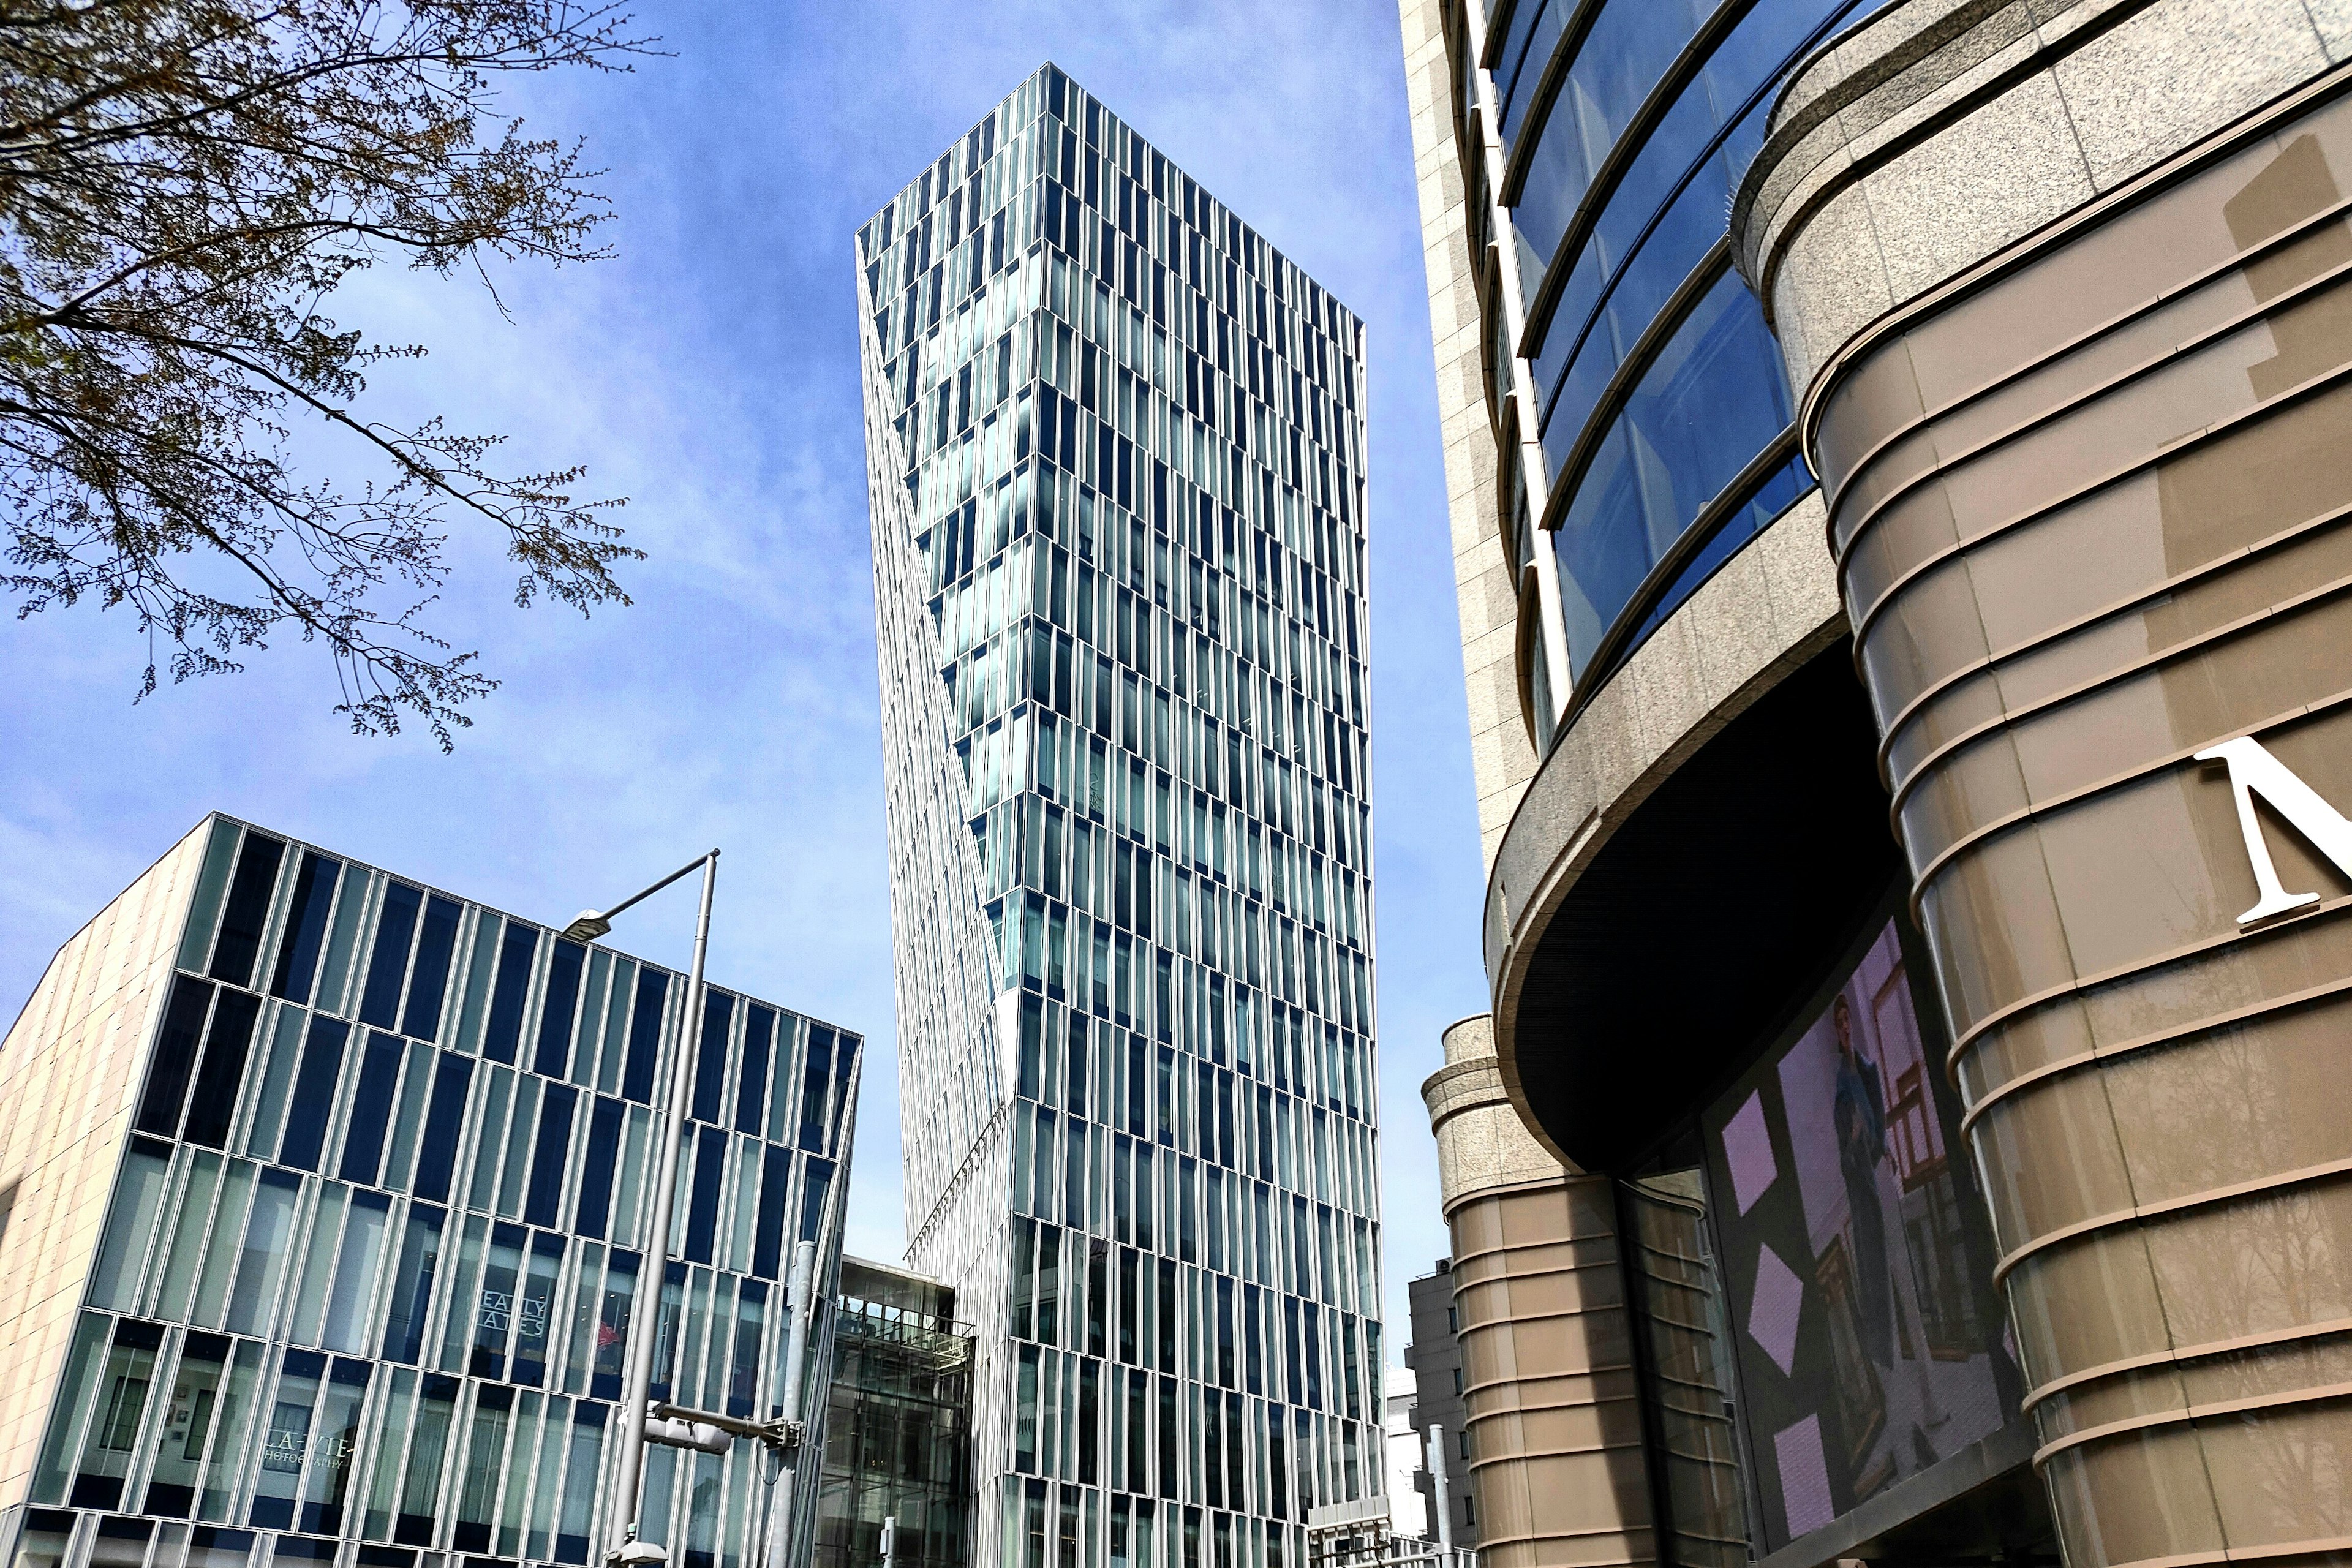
x: 1972, y: 1189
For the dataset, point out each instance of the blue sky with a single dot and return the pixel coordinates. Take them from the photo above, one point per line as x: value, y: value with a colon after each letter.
x: 710, y: 373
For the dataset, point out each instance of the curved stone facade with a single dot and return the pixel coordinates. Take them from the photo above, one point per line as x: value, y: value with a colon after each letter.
x: 1549, y: 1391
x: 2078, y: 366
x: 1771, y: 608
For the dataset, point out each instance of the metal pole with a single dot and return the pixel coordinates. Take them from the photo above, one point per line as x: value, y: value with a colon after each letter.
x: 801, y: 1301
x: 800, y: 1305
x: 889, y: 1539
x: 638, y: 1374
x: 1437, y: 1474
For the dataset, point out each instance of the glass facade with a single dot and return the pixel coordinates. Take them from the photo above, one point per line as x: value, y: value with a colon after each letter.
x: 898, y: 1425
x: 1117, y: 448
x: 372, y: 1252
x: 1640, y: 406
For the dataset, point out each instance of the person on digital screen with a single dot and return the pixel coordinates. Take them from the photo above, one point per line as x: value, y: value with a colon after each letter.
x: 1859, y: 1118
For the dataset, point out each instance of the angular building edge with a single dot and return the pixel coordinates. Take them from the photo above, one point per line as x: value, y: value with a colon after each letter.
x: 69, y: 1071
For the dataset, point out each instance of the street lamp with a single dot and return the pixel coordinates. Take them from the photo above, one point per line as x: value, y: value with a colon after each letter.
x: 638, y: 1363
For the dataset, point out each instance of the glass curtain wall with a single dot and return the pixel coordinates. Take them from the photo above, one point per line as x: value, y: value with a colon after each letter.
x: 1657, y: 399
x: 1118, y: 516
x: 373, y: 1249
x: 897, y: 1425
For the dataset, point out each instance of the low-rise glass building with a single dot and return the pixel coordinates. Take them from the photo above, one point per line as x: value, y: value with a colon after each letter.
x: 325, y: 1199
x: 897, y: 1423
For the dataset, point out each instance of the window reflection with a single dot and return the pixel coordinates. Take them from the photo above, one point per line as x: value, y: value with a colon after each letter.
x: 1714, y: 396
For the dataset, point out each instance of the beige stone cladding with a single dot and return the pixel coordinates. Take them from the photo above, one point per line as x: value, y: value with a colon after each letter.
x: 1502, y: 752
x: 1773, y: 607
x: 2073, y: 308
x: 1558, y: 1470
x: 1943, y: 130
x: 68, y: 1072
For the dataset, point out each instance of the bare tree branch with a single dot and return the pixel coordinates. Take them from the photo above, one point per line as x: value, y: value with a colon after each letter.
x: 183, y: 184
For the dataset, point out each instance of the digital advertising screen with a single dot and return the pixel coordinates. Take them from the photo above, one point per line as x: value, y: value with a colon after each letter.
x: 1856, y: 1257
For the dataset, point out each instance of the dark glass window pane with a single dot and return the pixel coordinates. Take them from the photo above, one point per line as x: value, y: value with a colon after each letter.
x: 752, y: 1083
x: 750, y: 1316
x: 247, y: 908
x: 555, y: 1011
x: 421, y: 1485
x: 370, y: 1107
x: 214, y: 1104
x: 423, y: 1015
x: 494, y: 1310
x: 412, y: 1285
x: 820, y: 1181
x: 438, y: 1156
x: 844, y: 1058
x: 535, y: 1313
x: 314, y: 1094
x: 388, y: 963
x: 582, y: 1470
x: 547, y: 1162
x: 702, y: 1217
x: 306, y: 926
x: 814, y: 1084
x: 711, y: 1055
x: 175, y: 1057
x: 644, y: 1036
x: 768, y: 1244
x: 505, y: 1029
x: 595, y: 1205
x: 613, y: 1323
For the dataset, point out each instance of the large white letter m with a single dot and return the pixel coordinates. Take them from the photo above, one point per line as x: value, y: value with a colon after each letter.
x: 2254, y: 771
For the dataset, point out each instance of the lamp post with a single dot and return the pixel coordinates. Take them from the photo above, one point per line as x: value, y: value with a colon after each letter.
x: 636, y: 1365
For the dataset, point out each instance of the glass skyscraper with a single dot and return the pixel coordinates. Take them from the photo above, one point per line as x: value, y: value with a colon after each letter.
x: 1116, y: 466
x: 325, y: 1194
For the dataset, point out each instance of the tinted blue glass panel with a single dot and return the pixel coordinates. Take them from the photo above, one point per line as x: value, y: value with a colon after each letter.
x: 752, y: 1083
x: 767, y: 1241
x: 437, y: 1156
x: 507, y: 994
x: 421, y: 1018
x: 314, y: 1094
x: 547, y: 1160
x: 815, y: 1087
x: 711, y: 1055
x: 702, y: 1215
x: 555, y: 1012
x: 1522, y: 64
x: 174, y: 1058
x: 388, y: 964
x: 306, y: 926
x: 372, y: 1108
x: 644, y: 1036
x: 247, y: 909
x: 1771, y: 499
x: 214, y: 1104
x: 596, y: 1204
x: 1632, y: 45
x: 1713, y: 398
